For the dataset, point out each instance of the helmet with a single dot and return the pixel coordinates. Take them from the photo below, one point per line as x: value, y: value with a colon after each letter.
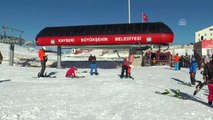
x: 75, y: 68
x: 44, y: 48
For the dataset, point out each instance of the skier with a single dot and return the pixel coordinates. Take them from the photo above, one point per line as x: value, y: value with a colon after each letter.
x: 43, y: 58
x: 71, y: 72
x: 125, y: 67
x: 208, y: 78
x: 192, y: 70
x: 93, y: 66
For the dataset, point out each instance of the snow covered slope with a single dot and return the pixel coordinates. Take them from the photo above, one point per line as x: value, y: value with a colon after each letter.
x: 102, y: 97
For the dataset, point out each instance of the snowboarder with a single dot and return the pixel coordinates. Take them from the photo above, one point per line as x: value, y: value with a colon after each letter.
x: 192, y: 71
x: 43, y: 58
x: 208, y: 78
x: 93, y: 66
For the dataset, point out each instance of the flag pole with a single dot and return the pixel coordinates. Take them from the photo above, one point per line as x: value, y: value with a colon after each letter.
x: 142, y: 18
x: 129, y: 11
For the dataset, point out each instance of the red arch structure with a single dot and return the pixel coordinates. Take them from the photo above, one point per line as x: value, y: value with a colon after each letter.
x: 112, y: 35
x: 106, y: 35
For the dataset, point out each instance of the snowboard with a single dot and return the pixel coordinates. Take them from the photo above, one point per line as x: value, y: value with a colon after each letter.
x: 175, y: 94
x: 198, y: 87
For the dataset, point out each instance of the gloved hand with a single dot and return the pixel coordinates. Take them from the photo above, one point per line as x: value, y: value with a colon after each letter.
x: 193, y: 74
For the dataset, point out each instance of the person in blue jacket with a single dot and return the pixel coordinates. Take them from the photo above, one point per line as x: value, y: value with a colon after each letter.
x: 192, y: 70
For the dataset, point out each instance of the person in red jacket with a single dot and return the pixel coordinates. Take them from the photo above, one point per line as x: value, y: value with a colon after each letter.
x: 43, y: 58
x: 71, y: 72
x: 125, y: 68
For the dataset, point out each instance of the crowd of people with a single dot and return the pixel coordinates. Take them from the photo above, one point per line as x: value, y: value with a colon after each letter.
x: 196, y: 62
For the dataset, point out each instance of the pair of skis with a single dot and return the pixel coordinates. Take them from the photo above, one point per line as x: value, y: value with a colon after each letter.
x: 130, y: 77
x: 172, y: 93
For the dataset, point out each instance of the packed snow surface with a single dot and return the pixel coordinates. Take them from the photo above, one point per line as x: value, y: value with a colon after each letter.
x: 102, y: 97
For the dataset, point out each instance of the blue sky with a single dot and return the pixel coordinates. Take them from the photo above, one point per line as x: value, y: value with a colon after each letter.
x: 33, y: 15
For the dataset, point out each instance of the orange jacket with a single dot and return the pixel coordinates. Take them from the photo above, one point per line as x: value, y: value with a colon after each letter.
x: 41, y: 54
x: 176, y: 58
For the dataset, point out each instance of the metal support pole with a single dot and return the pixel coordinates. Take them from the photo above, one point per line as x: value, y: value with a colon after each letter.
x: 59, y: 57
x: 129, y: 16
x: 11, y: 59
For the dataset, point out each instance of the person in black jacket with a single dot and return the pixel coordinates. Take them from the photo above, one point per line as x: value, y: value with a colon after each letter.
x: 208, y: 78
x: 93, y: 66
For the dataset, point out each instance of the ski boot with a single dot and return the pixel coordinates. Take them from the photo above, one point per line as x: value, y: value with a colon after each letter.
x: 166, y: 92
x: 210, y: 102
x: 177, y: 93
x: 39, y: 75
x: 126, y: 76
x: 121, y: 76
x: 188, y: 84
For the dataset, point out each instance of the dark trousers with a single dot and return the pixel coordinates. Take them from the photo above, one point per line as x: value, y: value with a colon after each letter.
x: 43, y: 67
x: 192, y: 78
x: 124, y: 68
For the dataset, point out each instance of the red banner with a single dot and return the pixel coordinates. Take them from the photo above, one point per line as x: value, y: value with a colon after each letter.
x: 207, y: 44
x: 106, y: 39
